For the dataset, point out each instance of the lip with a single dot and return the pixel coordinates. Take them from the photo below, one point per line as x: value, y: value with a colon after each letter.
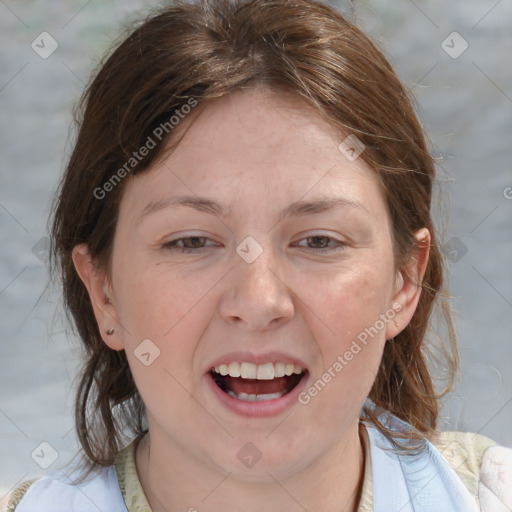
x: 265, y: 408
x: 247, y: 357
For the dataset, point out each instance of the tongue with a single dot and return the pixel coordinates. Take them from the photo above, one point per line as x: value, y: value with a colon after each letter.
x: 256, y: 387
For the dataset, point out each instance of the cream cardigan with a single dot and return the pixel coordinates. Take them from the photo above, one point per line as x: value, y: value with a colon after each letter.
x: 483, y: 467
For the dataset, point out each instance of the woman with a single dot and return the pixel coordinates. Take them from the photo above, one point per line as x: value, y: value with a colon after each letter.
x: 247, y: 252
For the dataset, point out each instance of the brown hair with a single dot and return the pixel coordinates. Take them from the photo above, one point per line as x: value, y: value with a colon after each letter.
x: 205, y: 51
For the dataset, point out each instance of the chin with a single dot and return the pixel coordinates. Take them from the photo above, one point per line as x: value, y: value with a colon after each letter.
x: 263, y: 460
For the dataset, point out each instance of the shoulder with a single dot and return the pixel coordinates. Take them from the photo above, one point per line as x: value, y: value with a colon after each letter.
x: 17, y: 493
x: 484, y: 467
x: 58, y: 492
x: 463, y: 450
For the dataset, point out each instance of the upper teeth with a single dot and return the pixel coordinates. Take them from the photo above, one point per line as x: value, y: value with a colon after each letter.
x: 265, y: 371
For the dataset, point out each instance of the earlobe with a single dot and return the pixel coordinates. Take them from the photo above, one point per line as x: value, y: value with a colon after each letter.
x: 409, y: 285
x: 97, y: 286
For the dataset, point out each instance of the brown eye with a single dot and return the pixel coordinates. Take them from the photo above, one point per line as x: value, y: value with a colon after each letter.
x: 323, y: 243
x: 190, y: 244
x: 195, y: 241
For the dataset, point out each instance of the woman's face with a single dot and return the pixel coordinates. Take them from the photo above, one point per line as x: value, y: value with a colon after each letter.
x: 280, y: 258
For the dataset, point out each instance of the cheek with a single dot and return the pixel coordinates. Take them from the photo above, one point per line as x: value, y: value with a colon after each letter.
x: 156, y: 299
x: 351, y: 337
x: 353, y: 301
x: 160, y: 315
x: 172, y: 310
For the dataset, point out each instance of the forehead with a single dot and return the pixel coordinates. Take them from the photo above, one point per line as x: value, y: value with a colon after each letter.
x: 256, y: 147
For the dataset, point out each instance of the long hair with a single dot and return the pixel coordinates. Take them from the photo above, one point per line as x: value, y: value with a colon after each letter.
x: 204, y: 51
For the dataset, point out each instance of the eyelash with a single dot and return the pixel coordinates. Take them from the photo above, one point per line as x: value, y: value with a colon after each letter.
x: 171, y: 245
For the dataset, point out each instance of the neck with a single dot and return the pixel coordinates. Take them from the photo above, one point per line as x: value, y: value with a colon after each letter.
x: 174, y: 480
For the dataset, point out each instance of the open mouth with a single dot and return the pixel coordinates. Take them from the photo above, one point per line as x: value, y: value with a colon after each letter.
x: 254, y: 383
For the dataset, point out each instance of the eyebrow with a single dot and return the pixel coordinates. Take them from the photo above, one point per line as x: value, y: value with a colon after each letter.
x: 207, y: 205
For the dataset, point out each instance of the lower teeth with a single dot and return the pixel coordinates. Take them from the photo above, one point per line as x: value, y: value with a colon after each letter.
x: 254, y: 398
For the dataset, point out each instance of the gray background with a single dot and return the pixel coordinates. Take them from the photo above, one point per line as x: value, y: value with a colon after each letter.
x: 465, y: 103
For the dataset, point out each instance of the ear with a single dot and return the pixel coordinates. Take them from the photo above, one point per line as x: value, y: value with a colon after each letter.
x: 101, y: 295
x: 408, y: 285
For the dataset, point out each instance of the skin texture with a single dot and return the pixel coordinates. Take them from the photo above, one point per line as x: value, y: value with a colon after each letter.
x: 257, y: 151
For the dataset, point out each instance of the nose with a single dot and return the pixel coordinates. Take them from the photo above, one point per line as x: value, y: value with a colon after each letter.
x: 256, y: 298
